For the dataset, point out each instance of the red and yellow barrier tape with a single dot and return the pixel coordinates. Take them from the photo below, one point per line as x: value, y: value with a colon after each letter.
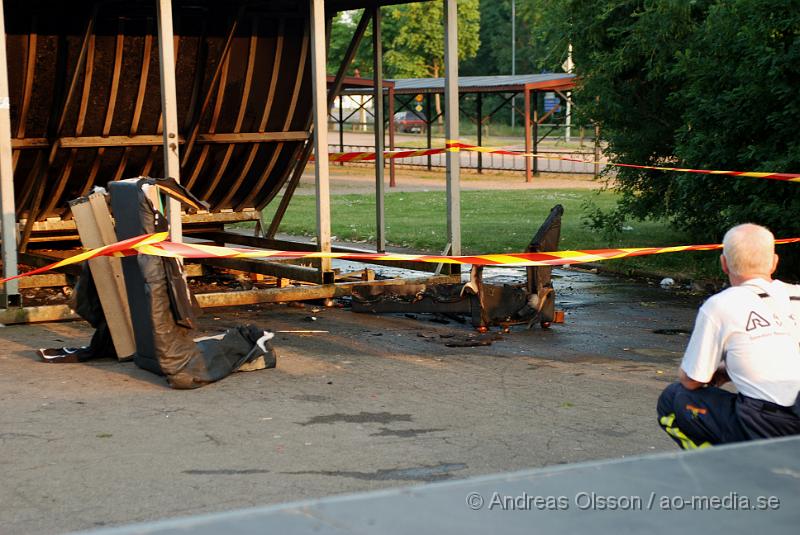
x: 389, y: 155
x: 454, y: 146
x: 157, y: 245
x: 791, y: 177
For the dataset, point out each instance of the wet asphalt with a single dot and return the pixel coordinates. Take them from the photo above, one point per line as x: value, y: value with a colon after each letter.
x: 374, y: 402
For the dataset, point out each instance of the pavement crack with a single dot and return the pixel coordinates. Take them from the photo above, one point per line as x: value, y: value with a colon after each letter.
x: 360, y: 418
x: 403, y: 433
x: 225, y: 472
x: 436, y: 472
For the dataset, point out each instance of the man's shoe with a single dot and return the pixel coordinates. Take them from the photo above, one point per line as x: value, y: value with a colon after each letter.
x: 63, y: 354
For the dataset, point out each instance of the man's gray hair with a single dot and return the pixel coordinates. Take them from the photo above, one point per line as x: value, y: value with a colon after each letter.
x: 749, y: 249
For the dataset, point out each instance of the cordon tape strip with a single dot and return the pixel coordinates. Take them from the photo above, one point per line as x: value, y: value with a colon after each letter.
x: 157, y: 245
x: 455, y: 146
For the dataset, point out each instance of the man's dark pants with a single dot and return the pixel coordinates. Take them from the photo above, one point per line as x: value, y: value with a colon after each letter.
x: 710, y: 415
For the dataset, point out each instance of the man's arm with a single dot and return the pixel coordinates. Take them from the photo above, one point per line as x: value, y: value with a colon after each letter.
x: 703, y: 354
x: 719, y: 378
x: 689, y: 383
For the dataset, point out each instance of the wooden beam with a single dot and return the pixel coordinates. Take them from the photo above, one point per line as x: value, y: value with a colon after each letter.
x: 276, y: 269
x: 146, y: 140
x: 96, y: 229
x: 253, y: 137
x: 304, y: 293
x: 49, y: 280
x: 12, y: 316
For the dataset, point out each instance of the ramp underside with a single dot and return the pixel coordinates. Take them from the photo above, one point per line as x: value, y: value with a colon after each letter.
x: 86, y: 102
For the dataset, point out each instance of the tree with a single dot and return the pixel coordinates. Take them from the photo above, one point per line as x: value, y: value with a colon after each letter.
x: 342, y: 30
x: 540, y: 43
x: 740, y: 110
x: 414, y: 37
x: 414, y: 41
x: 704, y: 84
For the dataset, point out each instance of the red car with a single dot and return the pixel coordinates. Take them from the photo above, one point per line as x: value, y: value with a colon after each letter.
x: 408, y: 121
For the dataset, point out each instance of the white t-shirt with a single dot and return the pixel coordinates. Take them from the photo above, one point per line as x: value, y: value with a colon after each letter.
x: 756, y: 336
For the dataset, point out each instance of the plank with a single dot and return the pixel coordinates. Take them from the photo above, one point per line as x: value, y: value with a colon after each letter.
x: 95, y: 227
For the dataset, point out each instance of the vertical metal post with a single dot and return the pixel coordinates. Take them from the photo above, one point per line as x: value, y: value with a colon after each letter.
x: 320, y: 114
x: 568, y: 67
x: 341, y: 125
x: 392, y: 178
x: 513, y: 58
x: 169, y: 110
x: 9, y: 293
x: 453, y: 175
x: 479, y: 106
x: 428, y: 127
x: 377, y: 103
x: 535, y: 134
x: 527, y: 122
x: 568, y: 119
x: 596, y: 150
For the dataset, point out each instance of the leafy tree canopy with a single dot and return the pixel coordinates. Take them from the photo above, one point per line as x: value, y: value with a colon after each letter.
x: 540, y: 43
x: 702, y: 83
x: 413, y: 39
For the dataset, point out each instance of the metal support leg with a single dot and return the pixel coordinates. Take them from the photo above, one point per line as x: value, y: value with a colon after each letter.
x: 166, y: 60
x: 479, y: 106
x: 377, y: 100
x: 320, y: 113
x: 9, y: 292
x: 527, y: 121
x: 428, y: 127
x: 392, y: 180
x: 453, y: 176
x: 341, y: 126
x: 535, y: 134
x: 568, y: 118
x: 596, y: 150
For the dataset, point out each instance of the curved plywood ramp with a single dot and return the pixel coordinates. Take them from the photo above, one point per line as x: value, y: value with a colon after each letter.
x: 86, y: 104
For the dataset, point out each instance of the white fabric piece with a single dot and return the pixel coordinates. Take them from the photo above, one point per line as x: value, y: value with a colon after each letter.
x: 264, y: 339
x: 757, y: 339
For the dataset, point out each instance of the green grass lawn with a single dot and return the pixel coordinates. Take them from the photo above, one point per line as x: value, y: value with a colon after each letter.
x: 497, y: 222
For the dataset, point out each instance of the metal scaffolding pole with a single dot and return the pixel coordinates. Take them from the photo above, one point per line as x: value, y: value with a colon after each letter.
x: 392, y: 177
x: 528, y: 144
x: 9, y: 292
x: 169, y: 110
x: 451, y: 125
x: 428, y: 127
x: 320, y: 113
x: 535, y: 122
x: 479, y: 112
x: 380, y: 134
x: 341, y: 124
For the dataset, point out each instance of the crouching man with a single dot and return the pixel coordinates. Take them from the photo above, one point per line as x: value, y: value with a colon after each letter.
x: 748, y: 334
